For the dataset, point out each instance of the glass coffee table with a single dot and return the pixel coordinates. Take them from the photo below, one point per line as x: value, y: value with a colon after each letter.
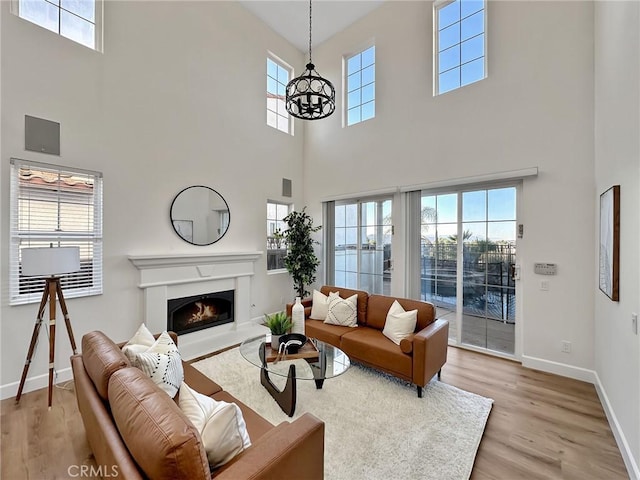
x: 314, y: 361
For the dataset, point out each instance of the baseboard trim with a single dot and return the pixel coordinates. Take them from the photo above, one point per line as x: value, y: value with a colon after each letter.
x: 577, y: 373
x: 35, y: 383
x: 632, y: 466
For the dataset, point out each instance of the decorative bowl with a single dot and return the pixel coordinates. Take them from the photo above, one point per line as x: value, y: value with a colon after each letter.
x: 295, y: 342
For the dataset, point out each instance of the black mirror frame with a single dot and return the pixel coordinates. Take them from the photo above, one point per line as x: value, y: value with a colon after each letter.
x: 173, y: 225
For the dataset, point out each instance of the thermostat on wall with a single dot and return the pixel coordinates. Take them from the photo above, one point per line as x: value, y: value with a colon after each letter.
x: 545, y: 268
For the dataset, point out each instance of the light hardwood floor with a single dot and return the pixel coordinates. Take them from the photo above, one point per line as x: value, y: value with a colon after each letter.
x: 542, y: 426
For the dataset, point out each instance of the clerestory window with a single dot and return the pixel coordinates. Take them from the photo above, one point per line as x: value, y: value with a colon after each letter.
x: 77, y: 20
x: 460, y: 44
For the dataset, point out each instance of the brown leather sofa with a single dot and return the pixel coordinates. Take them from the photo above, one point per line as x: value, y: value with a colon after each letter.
x: 417, y: 359
x: 136, y: 431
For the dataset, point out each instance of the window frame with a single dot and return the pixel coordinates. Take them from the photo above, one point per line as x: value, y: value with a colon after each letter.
x: 90, y: 277
x: 383, y: 223
x: 285, y: 66
x: 98, y: 34
x: 270, y: 239
x: 345, y: 89
x: 438, y: 5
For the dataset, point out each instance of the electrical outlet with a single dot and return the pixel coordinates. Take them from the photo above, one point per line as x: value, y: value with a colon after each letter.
x: 634, y: 323
x: 566, y: 346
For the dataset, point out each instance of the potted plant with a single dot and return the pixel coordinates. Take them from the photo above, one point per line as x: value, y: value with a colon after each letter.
x: 279, y: 323
x: 301, y: 261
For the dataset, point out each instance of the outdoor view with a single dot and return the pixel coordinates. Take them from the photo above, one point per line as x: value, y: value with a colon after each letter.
x: 485, y: 294
x: 363, y: 245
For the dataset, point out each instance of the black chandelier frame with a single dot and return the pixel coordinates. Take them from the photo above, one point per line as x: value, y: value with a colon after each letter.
x: 310, y: 96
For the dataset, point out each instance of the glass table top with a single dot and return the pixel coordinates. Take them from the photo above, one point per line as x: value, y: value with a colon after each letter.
x: 329, y: 361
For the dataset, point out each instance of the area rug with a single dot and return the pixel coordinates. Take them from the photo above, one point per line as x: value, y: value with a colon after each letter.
x: 375, y: 425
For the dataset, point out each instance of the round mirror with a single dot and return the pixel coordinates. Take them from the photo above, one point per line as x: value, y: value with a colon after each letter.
x: 200, y: 215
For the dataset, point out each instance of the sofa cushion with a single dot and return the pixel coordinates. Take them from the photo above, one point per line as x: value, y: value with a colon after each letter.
x: 140, y: 342
x: 325, y: 332
x: 379, y: 306
x: 371, y: 347
x: 257, y: 425
x: 101, y: 358
x: 319, y: 305
x: 162, y: 363
x: 163, y: 442
x: 221, y: 426
x: 342, y: 311
x: 399, y: 324
x: 346, y: 293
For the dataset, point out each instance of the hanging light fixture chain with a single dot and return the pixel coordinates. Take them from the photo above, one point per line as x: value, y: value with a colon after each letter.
x: 310, y: 32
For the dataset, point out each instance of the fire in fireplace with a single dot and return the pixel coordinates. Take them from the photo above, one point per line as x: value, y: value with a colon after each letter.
x: 190, y: 314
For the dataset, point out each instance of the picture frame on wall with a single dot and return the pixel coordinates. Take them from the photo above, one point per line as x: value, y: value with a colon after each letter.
x: 609, y: 259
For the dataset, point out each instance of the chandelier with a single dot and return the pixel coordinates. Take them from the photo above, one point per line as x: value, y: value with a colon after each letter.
x: 309, y: 96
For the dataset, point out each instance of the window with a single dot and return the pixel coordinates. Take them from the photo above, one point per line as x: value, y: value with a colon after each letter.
x: 60, y: 207
x: 361, y: 86
x: 77, y: 20
x: 459, y: 57
x: 276, y: 248
x: 359, y: 244
x: 277, y: 78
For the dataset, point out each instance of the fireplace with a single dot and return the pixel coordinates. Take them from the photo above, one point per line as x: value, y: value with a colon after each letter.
x: 190, y: 314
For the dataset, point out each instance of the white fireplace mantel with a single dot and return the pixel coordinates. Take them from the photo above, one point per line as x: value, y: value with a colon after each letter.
x: 165, y: 277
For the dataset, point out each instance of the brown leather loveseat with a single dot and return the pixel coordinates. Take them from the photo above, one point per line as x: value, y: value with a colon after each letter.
x: 417, y: 359
x: 137, y: 431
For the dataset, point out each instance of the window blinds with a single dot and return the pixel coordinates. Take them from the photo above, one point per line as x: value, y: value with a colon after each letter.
x: 60, y: 207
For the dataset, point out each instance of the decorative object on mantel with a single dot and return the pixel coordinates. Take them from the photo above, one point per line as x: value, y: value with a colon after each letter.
x: 301, y: 261
x: 609, y: 270
x: 199, y: 215
x: 279, y: 323
x: 50, y: 262
x: 309, y: 96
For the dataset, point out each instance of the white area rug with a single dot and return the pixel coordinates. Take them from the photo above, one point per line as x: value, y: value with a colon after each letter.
x: 375, y: 425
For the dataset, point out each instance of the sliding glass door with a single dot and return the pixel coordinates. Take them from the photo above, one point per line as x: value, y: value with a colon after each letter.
x: 361, y: 250
x: 467, y: 255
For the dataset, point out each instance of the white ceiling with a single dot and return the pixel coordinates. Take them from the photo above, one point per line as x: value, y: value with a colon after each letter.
x: 291, y: 18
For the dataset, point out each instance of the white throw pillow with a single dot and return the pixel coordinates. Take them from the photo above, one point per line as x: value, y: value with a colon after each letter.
x: 399, y: 323
x: 162, y: 363
x: 221, y: 425
x: 343, y: 312
x: 319, y: 306
x: 140, y: 342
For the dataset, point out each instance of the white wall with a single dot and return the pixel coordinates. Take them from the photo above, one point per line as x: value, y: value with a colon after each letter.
x: 176, y: 99
x: 534, y: 109
x: 617, y: 162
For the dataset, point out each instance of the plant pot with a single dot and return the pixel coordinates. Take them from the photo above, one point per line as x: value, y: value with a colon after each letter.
x: 275, y: 341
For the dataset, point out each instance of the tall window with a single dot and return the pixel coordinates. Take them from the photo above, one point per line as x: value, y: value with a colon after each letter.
x: 360, y: 244
x: 77, y: 20
x: 459, y: 43
x: 277, y: 78
x: 60, y: 207
x: 361, y: 86
x: 276, y: 248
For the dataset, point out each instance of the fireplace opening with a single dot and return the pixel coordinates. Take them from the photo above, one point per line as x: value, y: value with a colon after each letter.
x: 190, y: 314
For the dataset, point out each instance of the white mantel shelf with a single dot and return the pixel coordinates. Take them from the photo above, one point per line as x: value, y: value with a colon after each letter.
x: 143, y: 262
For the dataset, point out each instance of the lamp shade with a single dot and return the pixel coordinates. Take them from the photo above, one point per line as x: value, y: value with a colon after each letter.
x: 50, y: 260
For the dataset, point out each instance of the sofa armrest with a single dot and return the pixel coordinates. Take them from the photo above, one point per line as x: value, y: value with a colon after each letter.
x: 430, y: 351
x: 290, y: 447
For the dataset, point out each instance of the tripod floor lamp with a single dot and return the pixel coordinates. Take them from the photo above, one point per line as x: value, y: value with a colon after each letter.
x: 50, y: 262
